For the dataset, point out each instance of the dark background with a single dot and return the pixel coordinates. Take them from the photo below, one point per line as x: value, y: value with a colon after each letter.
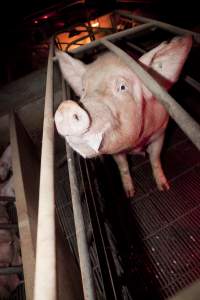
x: 20, y: 35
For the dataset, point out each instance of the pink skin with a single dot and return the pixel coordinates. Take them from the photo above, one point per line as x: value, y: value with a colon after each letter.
x: 8, y: 283
x: 5, y: 163
x: 116, y: 113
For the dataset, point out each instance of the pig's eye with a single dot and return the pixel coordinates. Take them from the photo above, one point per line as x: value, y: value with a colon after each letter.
x: 122, y: 87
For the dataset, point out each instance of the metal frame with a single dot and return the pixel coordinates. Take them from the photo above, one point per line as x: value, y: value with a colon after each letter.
x: 84, y: 259
x: 45, y: 277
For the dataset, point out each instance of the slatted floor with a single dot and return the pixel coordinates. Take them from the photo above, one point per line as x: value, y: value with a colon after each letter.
x: 168, y: 223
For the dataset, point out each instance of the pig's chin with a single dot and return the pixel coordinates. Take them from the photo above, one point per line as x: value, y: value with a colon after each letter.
x: 84, y: 148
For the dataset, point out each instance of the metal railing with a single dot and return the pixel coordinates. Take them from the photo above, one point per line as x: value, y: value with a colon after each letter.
x: 45, y: 269
x: 45, y: 274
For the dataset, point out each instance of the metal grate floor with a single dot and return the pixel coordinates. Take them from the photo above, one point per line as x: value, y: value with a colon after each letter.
x: 167, y: 223
x: 157, y: 234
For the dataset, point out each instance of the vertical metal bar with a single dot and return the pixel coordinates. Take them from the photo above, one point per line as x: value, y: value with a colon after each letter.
x: 45, y: 272
x: 182, y: 118
x: 84, y: 259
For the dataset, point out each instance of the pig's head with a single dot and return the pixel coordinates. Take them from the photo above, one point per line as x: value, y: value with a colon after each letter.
x: 109, y: 117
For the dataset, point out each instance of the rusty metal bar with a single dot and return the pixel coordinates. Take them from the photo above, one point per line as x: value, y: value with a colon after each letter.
x: 83, y: 251
x: 182, y: 118
x: 160, y: 24
x: 113, y: 37
x: 45, y: 272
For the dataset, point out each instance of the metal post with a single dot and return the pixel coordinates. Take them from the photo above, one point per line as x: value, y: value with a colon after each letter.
x: 83, y: 251
x: 45, y: 272
x: 182, y: 118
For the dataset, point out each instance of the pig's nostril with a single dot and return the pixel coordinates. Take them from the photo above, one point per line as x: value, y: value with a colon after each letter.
x: 76, y: 117
x: 71, y: 119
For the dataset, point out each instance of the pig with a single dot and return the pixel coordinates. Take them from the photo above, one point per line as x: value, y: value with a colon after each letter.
x: 8, y: 283
x: 4, y: 218
x: 7, y: 188
x: 5, y: 163
x: 116, y: 113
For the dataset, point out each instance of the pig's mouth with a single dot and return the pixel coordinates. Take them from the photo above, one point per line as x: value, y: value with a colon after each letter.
x: 90, y: 144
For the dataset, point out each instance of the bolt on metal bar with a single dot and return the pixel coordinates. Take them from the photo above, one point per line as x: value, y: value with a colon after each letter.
x: 182, y: 118
x: 83, y: 251
x: 160, y: 24
x: 45, y: 271
x: 113, y: 37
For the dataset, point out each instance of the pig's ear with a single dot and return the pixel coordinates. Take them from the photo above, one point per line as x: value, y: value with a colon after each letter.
x: 72, y: 70
x: 168, y: 59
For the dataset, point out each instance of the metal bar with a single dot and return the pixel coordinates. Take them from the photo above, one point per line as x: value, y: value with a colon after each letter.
x: 7, y: 199
x: 26, y: 193
x: 191, y: 81
x: 135, y: 47
x: 182, y: 118
x: 45, y: 272
x: 160, y: 24
x: 83, y: 251
x: 8, y: 226
x: 74, y: 42
x: 194, y: 83
x: 113, y: 37
x: 11, y: 270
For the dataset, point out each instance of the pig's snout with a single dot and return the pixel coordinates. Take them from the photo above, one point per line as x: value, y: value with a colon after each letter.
x: 71, y: 119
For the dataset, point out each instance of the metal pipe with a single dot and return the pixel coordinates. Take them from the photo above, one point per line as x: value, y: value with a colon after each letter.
x: 8, y: 226
x: 194, y: 83
x: 182, y: 118
x: 45, y: 271
x: 160, y: 24
x: 83, y: 251
x: 5, y: 199
x: 113, y: 37
x: 10, y: 270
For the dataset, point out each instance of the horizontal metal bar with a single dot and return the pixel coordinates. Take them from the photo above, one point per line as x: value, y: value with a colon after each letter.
x: 8, y: 226
x: 182, y: 118
x: 45, y: 270
x: 160, y: 24
x: 113, y: 37
x: 135, y: 47
x: 83, y: 251
x: 7, y: 199
x: 11, y: 270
